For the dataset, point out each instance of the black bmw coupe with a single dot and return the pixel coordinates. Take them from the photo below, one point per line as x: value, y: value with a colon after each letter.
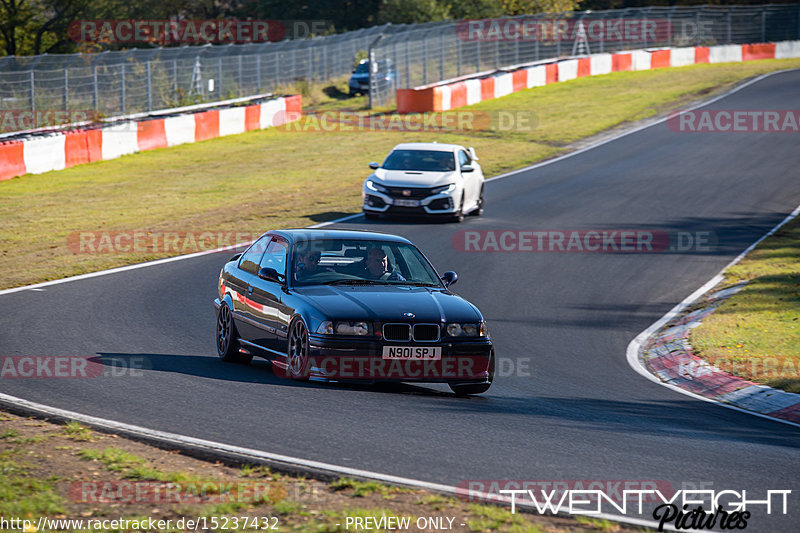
x: 351, y: 306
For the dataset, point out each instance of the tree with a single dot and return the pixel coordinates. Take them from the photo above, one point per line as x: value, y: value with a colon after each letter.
x: 37, y: 26
x: 529, y: 7
x: 412, y: 11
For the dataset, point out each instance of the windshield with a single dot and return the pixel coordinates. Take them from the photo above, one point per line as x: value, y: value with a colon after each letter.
x: 422, y: 160
x: 362, y: 68
x: 360, y: 262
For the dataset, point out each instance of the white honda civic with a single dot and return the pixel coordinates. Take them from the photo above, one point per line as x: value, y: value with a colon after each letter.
x: 425, y: 179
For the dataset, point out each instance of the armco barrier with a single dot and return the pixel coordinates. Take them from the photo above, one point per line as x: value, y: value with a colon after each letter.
x: 56, y: 150
x: 449, y: 96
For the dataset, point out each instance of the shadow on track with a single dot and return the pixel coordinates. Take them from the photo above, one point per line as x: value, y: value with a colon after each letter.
x: 259, y: 371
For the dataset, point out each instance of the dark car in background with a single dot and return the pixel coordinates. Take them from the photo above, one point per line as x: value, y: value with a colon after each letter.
x: 359, y: 80
x: 350, y: 306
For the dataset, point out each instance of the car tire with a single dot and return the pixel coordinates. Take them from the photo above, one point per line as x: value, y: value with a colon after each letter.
x: 479, y: 210
x: 297, y: 362
x: 459, y: 216
x: 351, y: 93
x: 476, y: 388
x: 371, y: 216
x: 227, y: 338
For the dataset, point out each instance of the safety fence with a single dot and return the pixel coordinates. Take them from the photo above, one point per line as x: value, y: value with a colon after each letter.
x: 425, y: 56
x: 447, y: 96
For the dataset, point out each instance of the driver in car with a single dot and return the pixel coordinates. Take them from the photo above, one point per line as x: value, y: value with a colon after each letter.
x: 377, y: 267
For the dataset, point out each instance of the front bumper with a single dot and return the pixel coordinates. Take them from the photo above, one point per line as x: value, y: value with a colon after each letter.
x: 381, y: 203
x: 462, y: 361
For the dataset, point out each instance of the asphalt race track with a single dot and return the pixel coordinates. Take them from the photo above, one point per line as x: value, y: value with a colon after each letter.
x: 576, y: 412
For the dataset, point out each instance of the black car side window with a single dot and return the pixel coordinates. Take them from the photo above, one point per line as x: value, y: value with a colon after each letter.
x: 275, y: 257
x: 252, y: 257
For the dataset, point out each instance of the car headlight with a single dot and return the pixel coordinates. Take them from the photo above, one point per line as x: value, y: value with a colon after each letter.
x: 470, y: 329
x: 444, y: 188
x: 352, y: 328
x: 325, y: 328
x: 343, y: 328
x: 375, y: 186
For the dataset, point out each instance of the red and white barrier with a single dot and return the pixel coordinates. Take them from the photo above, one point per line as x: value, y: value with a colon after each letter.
x: 787, y: 49
x: 468, y: 92
x: 64, y: 149
x: 44, y: 153
x: 600, y: 64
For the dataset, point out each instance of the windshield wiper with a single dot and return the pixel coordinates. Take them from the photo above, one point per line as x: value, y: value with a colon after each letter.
x: 355, y: 282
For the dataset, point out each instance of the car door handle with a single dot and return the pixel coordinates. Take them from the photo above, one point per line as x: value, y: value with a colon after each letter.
x: 249, y: 290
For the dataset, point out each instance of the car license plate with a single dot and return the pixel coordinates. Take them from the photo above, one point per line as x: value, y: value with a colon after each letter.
x: 406, y: 203
x: 422, y: 353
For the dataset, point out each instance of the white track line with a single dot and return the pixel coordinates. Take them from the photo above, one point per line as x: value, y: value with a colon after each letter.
x: 641, y: 340
x: 211, y: 446
x: 640, y: 128
x: 350, y: 217
x: 38, y: 286
x: 244, y: 454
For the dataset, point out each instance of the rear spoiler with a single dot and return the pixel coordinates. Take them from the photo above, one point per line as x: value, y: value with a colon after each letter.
x: 472, y: 153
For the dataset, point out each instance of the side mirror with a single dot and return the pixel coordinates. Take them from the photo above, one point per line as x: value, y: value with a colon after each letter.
x: 374, y: 165
x: 269, y: 274
x: 449, y: 278
x: 467, y: 168
x: 235, y: 257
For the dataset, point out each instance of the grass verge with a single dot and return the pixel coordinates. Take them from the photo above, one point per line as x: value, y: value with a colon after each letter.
x: 273, y: 178
x: 44, y: 471
x: 755, y: 334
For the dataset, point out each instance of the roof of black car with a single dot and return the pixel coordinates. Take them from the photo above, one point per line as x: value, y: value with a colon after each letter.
x: 306, y: 234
